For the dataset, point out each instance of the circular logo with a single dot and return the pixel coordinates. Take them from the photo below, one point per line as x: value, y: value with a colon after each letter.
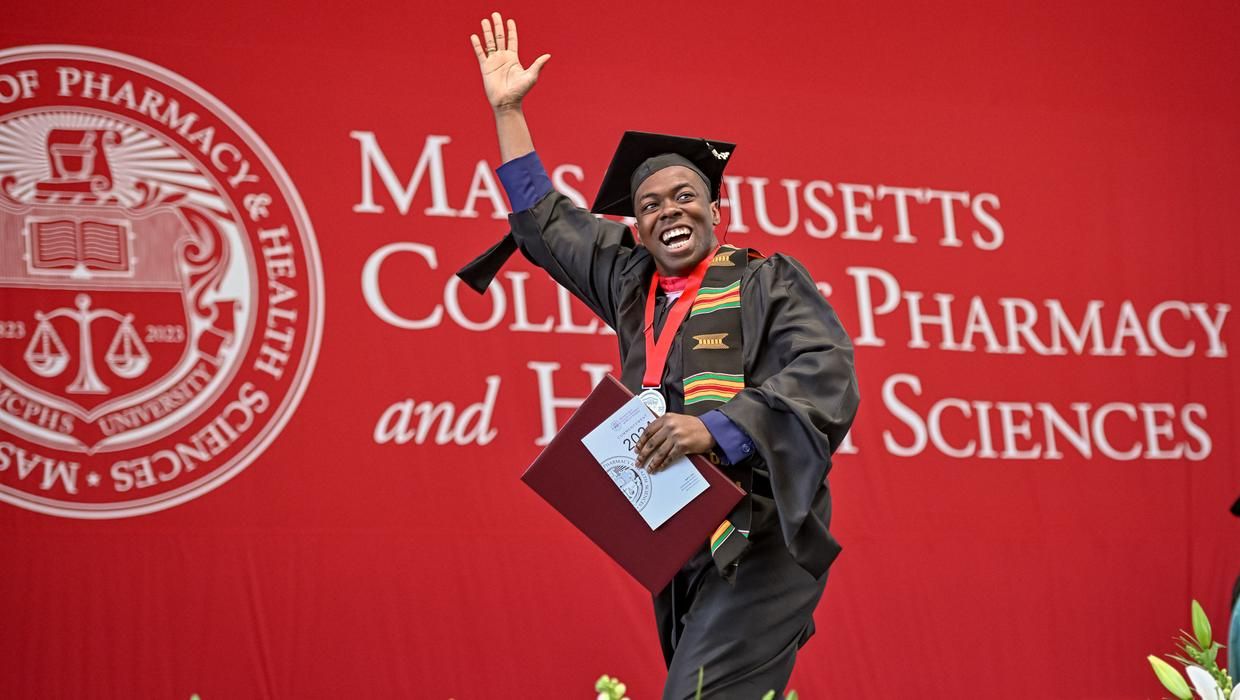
x: 653, y: 398
x: 633, y: 482
x: 161, y: 286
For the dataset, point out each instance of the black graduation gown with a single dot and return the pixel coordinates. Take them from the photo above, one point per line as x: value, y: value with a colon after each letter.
x: 798, y: 404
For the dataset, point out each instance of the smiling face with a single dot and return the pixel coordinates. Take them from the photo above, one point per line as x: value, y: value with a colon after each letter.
x: 676, y: 219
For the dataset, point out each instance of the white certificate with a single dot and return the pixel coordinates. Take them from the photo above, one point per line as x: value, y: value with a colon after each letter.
x: 656, y: 497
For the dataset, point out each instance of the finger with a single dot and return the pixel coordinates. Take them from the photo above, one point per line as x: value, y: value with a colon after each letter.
x: 538, y: 64
x: 500, y: 44
x: 645, y: 448
x: 648, y: 432
x: 659, y: 440
x: 488, y: 36
x: 663, y: 457
x: 482, y: 56
x: 646, y: 444
x: 512, y: 35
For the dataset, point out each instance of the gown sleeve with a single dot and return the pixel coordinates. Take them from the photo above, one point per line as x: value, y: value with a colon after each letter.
x: 802, y: 400
x: 582, y: 252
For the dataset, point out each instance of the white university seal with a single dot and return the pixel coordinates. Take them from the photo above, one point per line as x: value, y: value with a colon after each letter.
x: 161, y: 286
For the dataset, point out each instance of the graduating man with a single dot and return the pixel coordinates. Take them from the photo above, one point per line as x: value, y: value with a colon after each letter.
x: 749, y: 362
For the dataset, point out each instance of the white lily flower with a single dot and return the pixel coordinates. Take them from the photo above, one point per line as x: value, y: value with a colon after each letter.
x: 1205, y: 685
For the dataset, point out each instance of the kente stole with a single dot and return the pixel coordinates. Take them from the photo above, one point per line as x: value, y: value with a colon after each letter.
x: 714, y: 372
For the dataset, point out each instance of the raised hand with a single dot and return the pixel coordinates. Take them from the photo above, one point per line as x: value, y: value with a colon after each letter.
x: 505, y: 81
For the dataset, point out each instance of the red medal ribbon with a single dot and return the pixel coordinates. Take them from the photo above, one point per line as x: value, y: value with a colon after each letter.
x: 656, y: 352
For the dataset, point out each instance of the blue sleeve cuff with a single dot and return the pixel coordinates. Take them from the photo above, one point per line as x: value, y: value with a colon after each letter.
x: 733, y: 442
x: 525, y: 180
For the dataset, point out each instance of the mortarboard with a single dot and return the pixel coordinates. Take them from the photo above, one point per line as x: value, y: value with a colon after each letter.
x: 639, y: 155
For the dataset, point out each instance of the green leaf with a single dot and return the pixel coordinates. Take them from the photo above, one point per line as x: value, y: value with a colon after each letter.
x: 770, y: 695
x: 701, y: 673
x: 791, y: 695
x: 1170, y: 678
x: 1201, y: 626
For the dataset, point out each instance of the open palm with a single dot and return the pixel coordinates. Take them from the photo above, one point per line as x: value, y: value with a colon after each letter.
x: 506, y: 82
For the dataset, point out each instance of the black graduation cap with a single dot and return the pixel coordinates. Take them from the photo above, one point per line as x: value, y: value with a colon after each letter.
x: 639, y: 155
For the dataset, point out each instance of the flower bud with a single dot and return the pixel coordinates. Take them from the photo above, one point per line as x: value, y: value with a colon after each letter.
x: 1170, y: 678
x: 1201, y: 626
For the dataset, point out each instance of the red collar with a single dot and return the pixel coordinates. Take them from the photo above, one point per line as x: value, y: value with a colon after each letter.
x: 671, y: 285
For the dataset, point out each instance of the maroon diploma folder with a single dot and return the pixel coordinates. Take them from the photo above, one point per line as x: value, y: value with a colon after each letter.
x: 568, y: 477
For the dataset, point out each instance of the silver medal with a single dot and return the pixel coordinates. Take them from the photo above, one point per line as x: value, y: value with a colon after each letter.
x: 654, y: 401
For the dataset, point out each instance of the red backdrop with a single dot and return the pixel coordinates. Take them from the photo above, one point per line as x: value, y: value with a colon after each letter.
x: 1024, y: 216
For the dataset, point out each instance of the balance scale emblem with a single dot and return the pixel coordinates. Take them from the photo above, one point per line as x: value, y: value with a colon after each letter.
x: 127, y: 357
x: 136, y: 295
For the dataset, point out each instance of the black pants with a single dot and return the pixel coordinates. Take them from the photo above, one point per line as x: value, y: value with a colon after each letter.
x: 745, y: 633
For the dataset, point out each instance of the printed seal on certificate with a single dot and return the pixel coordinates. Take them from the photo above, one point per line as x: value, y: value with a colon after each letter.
x: 634, y: 483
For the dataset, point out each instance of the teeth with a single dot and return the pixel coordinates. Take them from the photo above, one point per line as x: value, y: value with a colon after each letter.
x: 678, y: 231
